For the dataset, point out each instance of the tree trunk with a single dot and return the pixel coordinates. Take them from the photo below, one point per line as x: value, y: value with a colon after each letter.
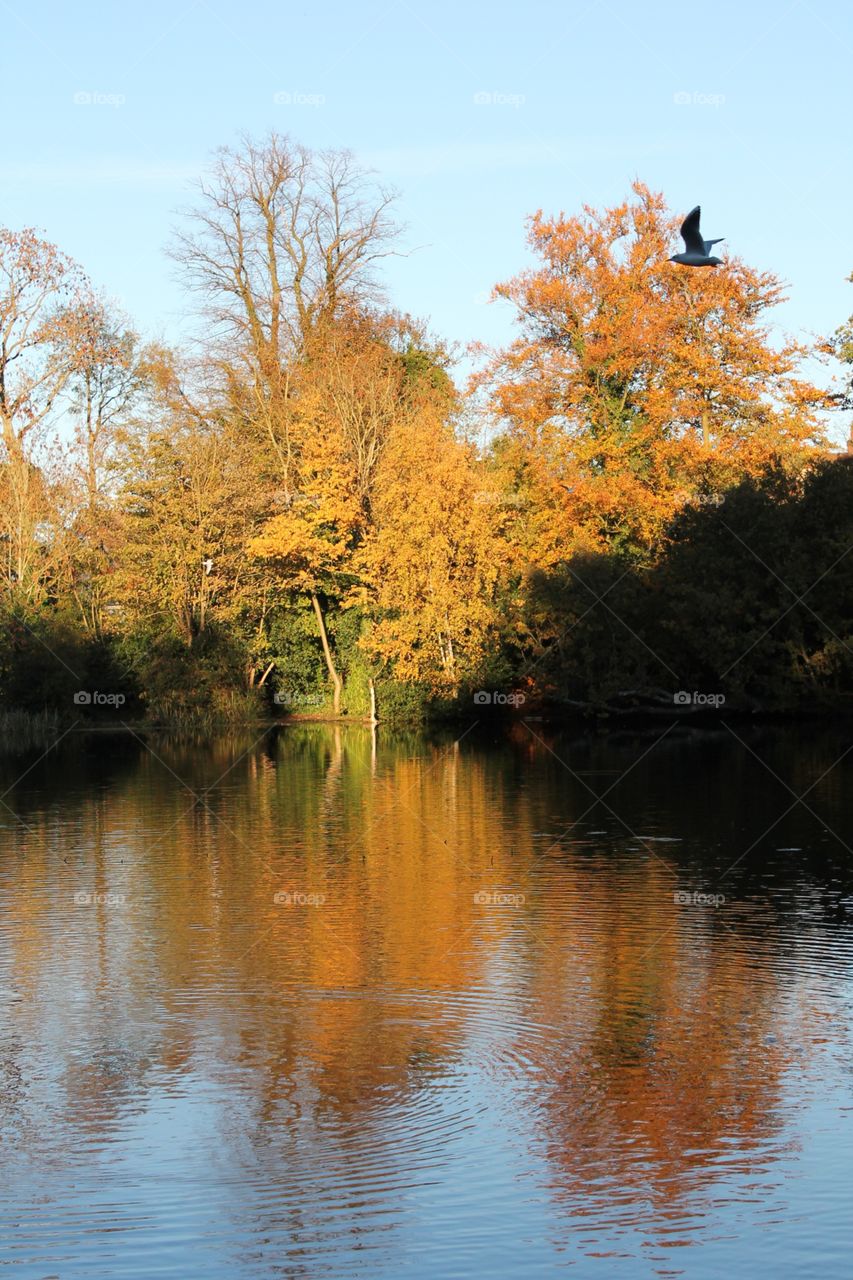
x: 450, y: 655
x: 372, y: 687
x: 91, y: 457
x: 334, y: 676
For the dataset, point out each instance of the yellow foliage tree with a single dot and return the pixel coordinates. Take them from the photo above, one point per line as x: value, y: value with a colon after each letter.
x: 429, y: 564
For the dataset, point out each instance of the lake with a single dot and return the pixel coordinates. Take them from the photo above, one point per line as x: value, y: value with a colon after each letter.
x: 500, y: 1001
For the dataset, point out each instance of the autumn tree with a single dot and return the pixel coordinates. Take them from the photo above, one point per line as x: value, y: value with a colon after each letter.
x: 348, y: 392
x: 40, y: 296
x: 367, y: 384
x: 107, y: 383
x: 840, y: 345
x: 107, y: 375
x: 635, y: 384
x: 431, y: 566
x: 185, y: 504
x: 310, y: 545
x: 281, y: 239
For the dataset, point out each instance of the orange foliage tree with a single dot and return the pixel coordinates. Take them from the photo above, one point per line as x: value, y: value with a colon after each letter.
x: 348, y: 391
x: 430, y: 563
x: 386, y: 517
x: 635, y: 384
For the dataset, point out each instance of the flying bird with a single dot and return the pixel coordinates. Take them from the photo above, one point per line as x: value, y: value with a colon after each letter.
x: 697, y: 251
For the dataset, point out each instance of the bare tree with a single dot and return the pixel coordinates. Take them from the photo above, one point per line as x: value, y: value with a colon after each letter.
x: 283, y: 237
x: 106, y: 381
x: 39, y: 291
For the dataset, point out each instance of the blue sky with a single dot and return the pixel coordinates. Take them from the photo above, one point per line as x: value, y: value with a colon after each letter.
x: 478, y: 113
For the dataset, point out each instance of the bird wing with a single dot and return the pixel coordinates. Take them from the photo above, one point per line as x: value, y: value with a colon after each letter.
x: 709, y: 244
x: 693, y: 241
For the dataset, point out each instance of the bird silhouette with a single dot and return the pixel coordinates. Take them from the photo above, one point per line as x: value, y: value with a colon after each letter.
x: 697, y: 251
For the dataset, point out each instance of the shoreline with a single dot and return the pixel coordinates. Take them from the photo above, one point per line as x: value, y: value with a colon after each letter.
x: 592, y: 718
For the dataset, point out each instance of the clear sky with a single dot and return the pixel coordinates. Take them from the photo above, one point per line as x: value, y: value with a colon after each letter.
x: 478, y: 113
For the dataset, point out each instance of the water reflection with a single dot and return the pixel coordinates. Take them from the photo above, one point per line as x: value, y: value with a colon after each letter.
x: 315, y: 1000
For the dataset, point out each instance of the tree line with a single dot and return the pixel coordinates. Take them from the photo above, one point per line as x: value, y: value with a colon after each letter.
x: 303, y: 510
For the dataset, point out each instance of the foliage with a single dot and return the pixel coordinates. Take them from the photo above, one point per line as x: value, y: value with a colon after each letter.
x: 635, y: 385
x: 296, y: 517
x: 751, y: 601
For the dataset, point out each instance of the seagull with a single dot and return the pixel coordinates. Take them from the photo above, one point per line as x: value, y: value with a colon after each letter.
x: 697, y: 251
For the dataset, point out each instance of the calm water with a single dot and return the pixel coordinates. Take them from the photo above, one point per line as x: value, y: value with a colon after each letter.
x: 314, y: 1004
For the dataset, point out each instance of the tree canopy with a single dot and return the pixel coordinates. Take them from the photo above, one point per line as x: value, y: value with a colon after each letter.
x: 294, y: 505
